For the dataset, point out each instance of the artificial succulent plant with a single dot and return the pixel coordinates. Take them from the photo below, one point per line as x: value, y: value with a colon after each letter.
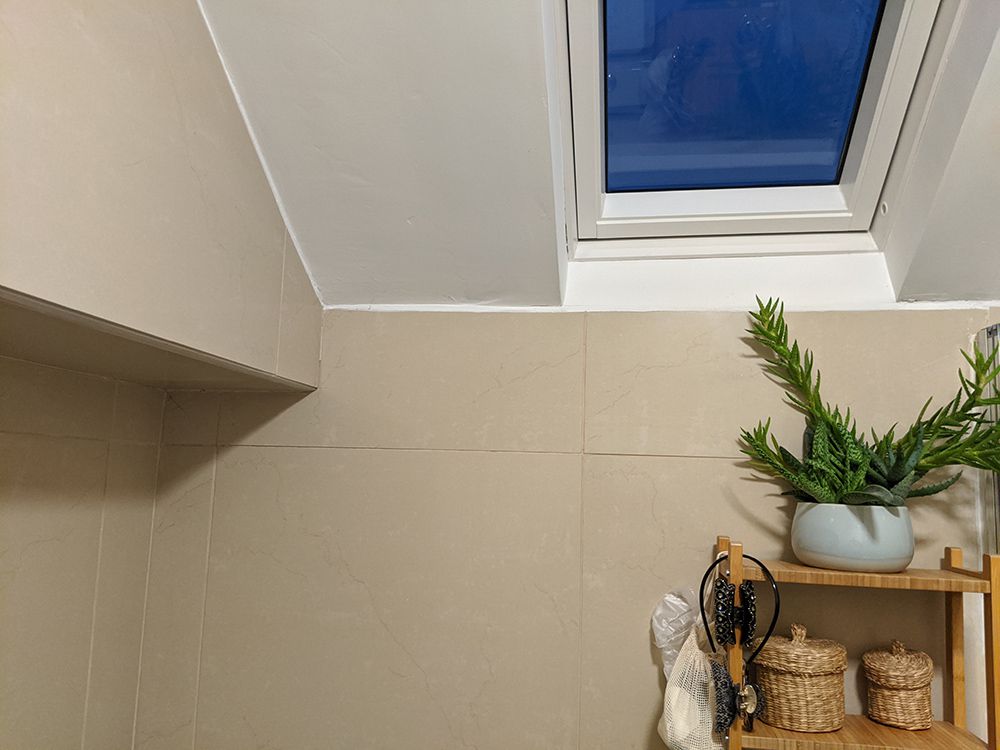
x: 840, y: 464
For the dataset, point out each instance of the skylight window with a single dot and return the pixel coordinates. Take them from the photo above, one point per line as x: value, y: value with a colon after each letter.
x: 696, y: 118
x: 711, y: 93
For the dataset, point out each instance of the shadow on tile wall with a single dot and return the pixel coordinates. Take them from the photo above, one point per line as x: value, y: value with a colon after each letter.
x: 78, y: 464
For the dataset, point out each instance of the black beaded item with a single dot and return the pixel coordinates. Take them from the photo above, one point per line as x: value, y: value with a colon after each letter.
x: 748, y: 600
x: 725, y: 697
x: 728, y: 616
x: 725, y: 612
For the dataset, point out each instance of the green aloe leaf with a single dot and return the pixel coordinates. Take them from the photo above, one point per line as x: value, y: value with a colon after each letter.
x: 936, y: 487
x: 877, y: 466
x: 873, y: 494
x: 901, y: 489
x: 860, y: 498
x: 916, y: 452
x: 789, y: 459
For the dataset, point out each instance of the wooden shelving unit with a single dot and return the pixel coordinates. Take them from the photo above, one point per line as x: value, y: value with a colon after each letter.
x: 860, y: 733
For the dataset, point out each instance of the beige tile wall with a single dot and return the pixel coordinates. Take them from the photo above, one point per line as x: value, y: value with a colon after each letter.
x: 458, y: 539
x: 78, y: 466
x: 121, y: 115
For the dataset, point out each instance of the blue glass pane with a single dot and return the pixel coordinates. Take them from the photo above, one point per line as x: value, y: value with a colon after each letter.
x: 732, y: 93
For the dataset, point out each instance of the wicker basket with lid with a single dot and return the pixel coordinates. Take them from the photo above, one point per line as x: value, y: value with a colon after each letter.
x: 899, y: 686
x: 802, y: 680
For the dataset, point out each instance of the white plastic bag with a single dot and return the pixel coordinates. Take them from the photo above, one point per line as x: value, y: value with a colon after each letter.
x: 687, y: 720
x: 673, y: 618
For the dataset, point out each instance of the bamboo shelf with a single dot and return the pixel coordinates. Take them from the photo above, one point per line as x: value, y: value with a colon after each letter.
x: 911, y: 580
x: 860, y: 733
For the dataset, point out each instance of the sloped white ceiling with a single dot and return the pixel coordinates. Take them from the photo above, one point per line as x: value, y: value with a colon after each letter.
x: 407, y: 142
x: 956, y: 257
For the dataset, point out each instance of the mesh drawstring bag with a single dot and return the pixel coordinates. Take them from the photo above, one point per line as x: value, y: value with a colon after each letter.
x: 672, y: 619
x: 688, y: 713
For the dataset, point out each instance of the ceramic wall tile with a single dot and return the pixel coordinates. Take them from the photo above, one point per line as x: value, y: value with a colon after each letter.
x: 301, y: 322
x: 175, y: 599
x: 420, y: 598
x: 684, y: 384
x: 121, y: 590
x: 54, y: 402
x: 490, y: 381
x: 124, y: 117
x: 886, y: 364
x: 191, y: 417
x: 50, y: 520
x: 649, y: 524
x: 138, y: 413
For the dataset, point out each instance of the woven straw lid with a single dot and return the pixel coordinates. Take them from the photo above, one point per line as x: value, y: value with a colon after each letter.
x: 799, y: 655
x: 898, y: 667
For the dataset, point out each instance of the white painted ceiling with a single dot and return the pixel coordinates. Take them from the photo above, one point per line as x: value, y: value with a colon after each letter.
x: 407, y: 143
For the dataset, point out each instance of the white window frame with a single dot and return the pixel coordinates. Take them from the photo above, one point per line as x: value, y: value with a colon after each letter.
x: 847, y: 207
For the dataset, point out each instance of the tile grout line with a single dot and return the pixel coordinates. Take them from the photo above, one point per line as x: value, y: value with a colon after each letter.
x: 281, y: 301
x: 583, y: 393
x: 204, y: 599
x: 416, y: 449
x: 696, y: 456
x: 149, y: 561
x: 51, y: 436
x: 97, y: 572
x: 322, y: 343
x: 401, y: 449
x: 59, y: 368
x: 583, y: 454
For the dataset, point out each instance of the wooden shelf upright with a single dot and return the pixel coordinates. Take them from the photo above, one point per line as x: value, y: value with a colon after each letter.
x: 860, y: 733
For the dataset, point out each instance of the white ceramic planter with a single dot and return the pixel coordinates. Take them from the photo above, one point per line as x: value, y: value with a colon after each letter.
x: 867, y: 538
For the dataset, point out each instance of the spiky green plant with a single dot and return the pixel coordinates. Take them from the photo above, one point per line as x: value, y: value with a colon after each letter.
x: 838, y: 464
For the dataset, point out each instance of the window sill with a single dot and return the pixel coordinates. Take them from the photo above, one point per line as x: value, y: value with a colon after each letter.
x: 846, y: 280
x: 732, y: 246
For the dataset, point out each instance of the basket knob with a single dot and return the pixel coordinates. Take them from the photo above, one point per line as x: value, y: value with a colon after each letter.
x: 798, y: 633
x: 897, y: 648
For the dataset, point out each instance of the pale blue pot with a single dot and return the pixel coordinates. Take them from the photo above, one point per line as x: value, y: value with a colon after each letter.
x: 867, y: 538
